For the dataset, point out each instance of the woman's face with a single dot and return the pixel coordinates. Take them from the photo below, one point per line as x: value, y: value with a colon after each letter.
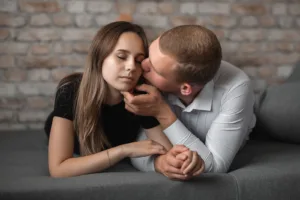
x: 122, y: 68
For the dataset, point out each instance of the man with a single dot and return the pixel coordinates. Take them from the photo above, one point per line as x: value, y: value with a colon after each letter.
x: 207, y: 108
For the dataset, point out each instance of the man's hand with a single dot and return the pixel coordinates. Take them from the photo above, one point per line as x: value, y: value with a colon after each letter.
x: 170, y: 166
x: 193, y: 164
x: 150, y: 104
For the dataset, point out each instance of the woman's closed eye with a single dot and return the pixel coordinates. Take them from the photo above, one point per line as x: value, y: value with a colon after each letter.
x: 139, y: 62
x: 122, y: 57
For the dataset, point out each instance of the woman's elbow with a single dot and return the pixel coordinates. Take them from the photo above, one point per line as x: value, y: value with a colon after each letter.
x: 56, y: 171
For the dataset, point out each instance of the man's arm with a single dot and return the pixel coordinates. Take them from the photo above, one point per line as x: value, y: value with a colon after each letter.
x: 227, y: 132
x: 225, y: 136
x: 150, y: 104
x: 145, y: 163
x: 153, y: 104
x: 170, y: 164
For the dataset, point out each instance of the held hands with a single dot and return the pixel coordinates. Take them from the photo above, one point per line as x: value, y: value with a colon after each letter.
x: 193, y: 165
x: 179, y: 163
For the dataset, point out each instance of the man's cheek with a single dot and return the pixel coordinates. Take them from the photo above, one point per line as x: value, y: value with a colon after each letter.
x: 147, y: 78
x: 161, y: 85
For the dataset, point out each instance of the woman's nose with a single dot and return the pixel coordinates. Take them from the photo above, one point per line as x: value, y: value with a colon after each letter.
x: 130, y: 66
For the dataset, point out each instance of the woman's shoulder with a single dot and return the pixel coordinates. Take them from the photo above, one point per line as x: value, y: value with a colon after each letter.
x: 69, y: 84
x: 67, y: 89
x: 65, y: 96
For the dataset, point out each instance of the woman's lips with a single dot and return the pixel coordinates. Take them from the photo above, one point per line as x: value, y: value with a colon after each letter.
x: 126, y: 78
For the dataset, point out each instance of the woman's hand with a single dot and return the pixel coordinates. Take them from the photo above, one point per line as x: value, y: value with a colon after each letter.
x: 142, y: 148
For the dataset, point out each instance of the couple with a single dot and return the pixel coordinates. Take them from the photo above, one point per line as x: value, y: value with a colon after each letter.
x: 195, y: 110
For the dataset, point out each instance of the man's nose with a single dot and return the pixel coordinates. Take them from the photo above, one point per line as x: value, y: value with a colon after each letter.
x: 145, y: 65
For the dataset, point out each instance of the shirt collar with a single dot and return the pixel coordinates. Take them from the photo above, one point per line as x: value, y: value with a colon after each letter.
x: 203, y: 100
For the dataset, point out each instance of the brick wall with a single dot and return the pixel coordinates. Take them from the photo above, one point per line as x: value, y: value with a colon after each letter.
x: 42, y: 41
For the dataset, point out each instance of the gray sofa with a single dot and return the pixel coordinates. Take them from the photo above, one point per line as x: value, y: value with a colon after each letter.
x: 268, y: 167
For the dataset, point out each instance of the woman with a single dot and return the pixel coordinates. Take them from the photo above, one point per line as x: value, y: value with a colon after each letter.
x: 89, y: 116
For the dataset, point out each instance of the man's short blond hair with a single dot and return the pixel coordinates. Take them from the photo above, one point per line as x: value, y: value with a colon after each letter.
x: 197, y: 51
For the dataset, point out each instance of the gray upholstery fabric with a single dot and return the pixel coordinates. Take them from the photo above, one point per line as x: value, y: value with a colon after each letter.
x: 24, y: 175
x: 257, y: 173
x: 278, y: 110
x: 268, y: 170
x: 295, y: 76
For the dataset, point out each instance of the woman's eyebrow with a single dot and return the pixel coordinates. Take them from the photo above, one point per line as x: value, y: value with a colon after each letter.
x: 128, y: 52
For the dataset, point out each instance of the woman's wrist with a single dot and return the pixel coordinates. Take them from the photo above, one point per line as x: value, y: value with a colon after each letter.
x: 115, y: 154
x: 123, y: 151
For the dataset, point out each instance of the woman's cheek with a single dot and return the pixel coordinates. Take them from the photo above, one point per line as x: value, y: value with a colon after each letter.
x: 139, y: 73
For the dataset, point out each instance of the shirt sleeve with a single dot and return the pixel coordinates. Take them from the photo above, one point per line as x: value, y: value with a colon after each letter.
x: 145, y: 163
x: 64, y: 101
x: 225, y: 136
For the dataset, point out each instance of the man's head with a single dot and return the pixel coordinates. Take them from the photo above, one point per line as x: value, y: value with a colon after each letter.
x: 182, y: 59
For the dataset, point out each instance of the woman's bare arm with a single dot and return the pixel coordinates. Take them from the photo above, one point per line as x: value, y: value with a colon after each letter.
x: 156, y: 134
x: 61, y: 147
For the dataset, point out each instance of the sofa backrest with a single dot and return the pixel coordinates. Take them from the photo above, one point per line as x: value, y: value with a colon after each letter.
x: 278, y: 111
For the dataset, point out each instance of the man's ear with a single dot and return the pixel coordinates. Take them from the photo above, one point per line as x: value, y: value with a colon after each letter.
x: 186, y: 89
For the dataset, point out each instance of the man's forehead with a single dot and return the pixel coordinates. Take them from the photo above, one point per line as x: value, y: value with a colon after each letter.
x: 154, y: 45
x: 158, y: 57
x: 154, y: 51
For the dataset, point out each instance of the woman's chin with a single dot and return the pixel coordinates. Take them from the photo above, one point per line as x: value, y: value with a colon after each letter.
x: 127, y: 89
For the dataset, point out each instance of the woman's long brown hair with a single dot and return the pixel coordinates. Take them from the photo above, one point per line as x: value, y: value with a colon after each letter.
x: 93, y: 89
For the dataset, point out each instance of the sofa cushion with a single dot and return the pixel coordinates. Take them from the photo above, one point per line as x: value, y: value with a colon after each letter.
x: 267, y: 170
x: 258, y: 172
x: 279, y: 112
x: 24, y: 175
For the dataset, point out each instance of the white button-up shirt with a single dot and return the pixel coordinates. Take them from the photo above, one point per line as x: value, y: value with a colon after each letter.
x: 216, y: 124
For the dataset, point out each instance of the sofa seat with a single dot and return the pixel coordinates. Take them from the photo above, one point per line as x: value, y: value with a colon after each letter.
x: 261, y: 170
